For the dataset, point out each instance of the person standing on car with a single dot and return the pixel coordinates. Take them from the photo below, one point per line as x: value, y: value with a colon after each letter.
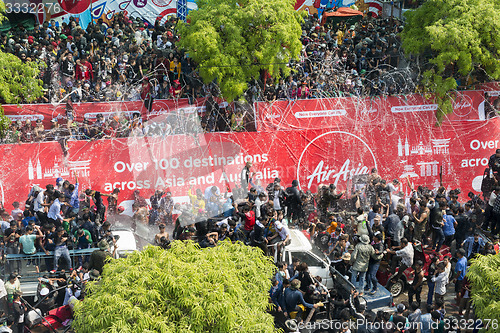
x: 60, y: 240
x: 304, y: 277
x: 360, y: 259
x: 294, y: 202
x: 246, y: 176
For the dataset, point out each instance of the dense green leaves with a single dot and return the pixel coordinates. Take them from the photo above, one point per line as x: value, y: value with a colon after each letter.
x: 18, y: 81
x: 233, y: 40
x: 455, y: 38
x: 484, y: 275
x: 184, y: 289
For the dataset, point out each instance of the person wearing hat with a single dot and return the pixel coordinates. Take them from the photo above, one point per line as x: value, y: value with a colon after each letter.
x: 293, y: 297
x: 344, y: 264
x: 398, y: 319
x: 360, y: 259
x: 98, y: 258
x: 94, y: 275
x: 283, y: 234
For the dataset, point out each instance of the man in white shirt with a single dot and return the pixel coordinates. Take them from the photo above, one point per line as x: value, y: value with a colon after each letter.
x: 489, y: 208
x: 394, y: 189
x: 39, y: 208
x: 441, y: 280
x: 261, y: 199
x: 402, y: 258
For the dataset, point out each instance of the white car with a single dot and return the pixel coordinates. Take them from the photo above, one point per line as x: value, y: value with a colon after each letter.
x: 302, y: 249
x: 126, y: 242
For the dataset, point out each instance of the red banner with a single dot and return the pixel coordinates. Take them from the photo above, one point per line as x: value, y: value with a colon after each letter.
x: 47, y: 112
x: 349, y: 111
x: 460, y: 150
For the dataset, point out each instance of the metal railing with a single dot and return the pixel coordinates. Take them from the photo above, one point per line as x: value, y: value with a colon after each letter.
x: 25, y: 265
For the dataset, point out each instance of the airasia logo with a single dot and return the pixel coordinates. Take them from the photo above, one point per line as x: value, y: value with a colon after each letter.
x: 462, y: 106
x: 334, y: 158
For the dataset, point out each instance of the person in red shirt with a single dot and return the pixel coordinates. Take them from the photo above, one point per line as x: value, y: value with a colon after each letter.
x: 84, y: 70
x: 146, y: 93
x: 176, y: 89
x: 248, y: 217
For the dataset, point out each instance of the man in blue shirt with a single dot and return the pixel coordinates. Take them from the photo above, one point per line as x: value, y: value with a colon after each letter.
x: 293, y: 297
x: 449, y: 228
x: 460, y: 271
x: 74, y: 201
x: 473, y: 245
x: 276, y: 294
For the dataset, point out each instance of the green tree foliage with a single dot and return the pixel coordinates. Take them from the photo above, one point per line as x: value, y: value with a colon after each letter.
x: 485, y: 292
x: 184, y: 289
x: 457, y: 38
x: 233, y: 40
x: 18, y: 81
x: 2, y: 10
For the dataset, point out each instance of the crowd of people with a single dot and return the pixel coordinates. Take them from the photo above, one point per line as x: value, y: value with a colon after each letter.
x: 383, y: 226
x: 223, y: 118
x: 131, y: 60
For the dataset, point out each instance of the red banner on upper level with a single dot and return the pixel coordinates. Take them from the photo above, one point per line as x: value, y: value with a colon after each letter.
x: 47, y: 112
x: 376, y: 111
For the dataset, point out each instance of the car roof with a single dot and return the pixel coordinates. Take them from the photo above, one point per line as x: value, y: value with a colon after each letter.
x: 127, y: 240
x: 298, y: 242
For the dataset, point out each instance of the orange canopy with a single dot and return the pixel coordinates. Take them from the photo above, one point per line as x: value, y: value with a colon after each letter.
x: 341, y: 13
